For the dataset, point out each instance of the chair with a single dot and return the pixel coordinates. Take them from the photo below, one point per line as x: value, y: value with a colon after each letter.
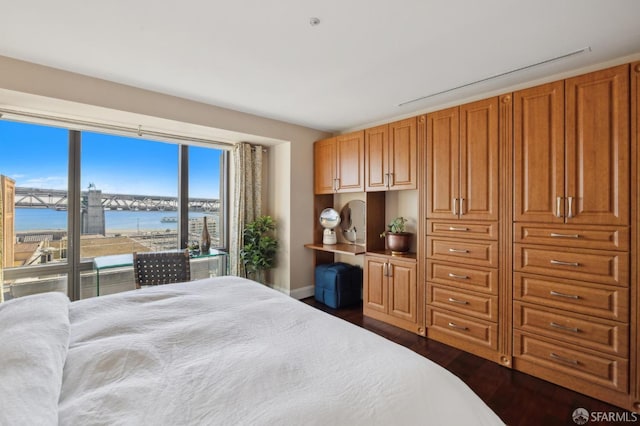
x: 156, y: 268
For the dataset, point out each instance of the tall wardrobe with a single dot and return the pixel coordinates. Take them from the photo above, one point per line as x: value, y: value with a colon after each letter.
x: 528, y: 231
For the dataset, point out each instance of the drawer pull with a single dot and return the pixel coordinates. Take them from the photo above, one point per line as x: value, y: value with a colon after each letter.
x: 453, y: 228
x: 568, y: 296
x: 563, y: 359
x: 564, y: 327
x: 454, y: 325
x: 459, y: 302
x: 556, y: 235
x: 562, y: 263
x: 454, y: 250
x: 459, y: 277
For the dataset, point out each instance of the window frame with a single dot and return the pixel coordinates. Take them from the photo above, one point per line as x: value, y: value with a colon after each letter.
x: 74, y: 265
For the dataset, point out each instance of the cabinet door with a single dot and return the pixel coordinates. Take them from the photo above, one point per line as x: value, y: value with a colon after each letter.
x: 375, y: 285
x: 324, y: 166
x: 538, y: 124
x: 597, y: 147
x: 403, y: 290
x: 350, y: 162
x: 442, y: 163
x: 403, y: 153
x: 376, y: 147
x: 479, y: 160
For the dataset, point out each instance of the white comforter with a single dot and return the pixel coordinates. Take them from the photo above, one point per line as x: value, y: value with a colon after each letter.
x: 232, y: 352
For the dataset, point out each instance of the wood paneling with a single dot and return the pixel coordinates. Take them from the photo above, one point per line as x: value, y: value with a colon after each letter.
x: 350, y: 162
x: 597, y: 147
x: 539, y: 153
x: 478, y: 164
x: 443, y: 175
x: 324, y: 159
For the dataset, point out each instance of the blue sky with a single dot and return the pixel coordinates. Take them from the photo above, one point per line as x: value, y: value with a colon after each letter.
x: 36, y: 156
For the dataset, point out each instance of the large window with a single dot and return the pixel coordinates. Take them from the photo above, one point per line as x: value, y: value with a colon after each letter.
x: 129, y: 195
x: 129, y: 201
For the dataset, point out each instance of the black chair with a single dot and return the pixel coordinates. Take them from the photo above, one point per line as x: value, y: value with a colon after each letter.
x: 156, y: 268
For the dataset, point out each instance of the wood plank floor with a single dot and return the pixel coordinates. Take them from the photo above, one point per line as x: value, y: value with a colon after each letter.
x: 518, y: 398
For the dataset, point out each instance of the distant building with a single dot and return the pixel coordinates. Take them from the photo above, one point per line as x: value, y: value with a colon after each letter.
x: 7, y: 227
x: 93, y: 222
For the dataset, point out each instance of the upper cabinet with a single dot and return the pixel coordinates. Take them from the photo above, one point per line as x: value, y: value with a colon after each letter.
x: 571, y: 150
x: 391, y: 156
x: 339, y: 164
x: 462, y: 162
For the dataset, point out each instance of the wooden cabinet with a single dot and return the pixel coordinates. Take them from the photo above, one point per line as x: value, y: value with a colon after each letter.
x: 571, y: 253
x: 339, y: 164
x: 462, y: 162
x: 462, y: 246
x: 391, y: 156
x: 390, y: 291
x: 325, y: 159
x: 572, y: 150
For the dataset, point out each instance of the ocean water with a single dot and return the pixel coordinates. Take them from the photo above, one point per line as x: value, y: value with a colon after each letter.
x: 40, y: 219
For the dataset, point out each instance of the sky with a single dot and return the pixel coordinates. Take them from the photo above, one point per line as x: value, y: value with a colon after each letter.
x: 36, y: 156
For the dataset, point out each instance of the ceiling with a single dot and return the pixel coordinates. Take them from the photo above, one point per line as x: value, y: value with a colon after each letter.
x: 357, y: 66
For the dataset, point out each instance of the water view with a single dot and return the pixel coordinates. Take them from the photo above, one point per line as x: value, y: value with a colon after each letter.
x: 115, y: 220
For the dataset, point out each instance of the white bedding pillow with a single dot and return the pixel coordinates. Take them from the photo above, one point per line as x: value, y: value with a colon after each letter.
x: 34, y: 340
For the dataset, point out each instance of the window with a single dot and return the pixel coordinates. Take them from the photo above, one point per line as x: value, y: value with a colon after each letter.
x: 34, y: 170
x: 129, y: 195
x: 129, y: 201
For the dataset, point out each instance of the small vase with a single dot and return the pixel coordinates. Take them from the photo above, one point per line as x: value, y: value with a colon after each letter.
x: 205, y: 239
x: 399, y: 243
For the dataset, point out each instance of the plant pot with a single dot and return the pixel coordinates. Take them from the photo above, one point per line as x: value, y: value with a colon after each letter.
x: 399, y: 243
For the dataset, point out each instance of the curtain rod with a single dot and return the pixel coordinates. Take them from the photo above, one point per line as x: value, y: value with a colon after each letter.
x: 113, y: 127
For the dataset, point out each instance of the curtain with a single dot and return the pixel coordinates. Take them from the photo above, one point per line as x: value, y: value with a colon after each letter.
x: 1, y: 252
x: 247, y: 199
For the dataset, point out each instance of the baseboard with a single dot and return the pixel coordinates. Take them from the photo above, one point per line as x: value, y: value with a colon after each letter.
x: 302, y: 293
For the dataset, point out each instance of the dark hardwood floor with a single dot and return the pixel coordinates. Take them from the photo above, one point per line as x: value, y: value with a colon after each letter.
x: 519, y: 399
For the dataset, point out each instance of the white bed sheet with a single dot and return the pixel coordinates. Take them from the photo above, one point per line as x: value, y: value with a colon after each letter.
x: 230, y: 351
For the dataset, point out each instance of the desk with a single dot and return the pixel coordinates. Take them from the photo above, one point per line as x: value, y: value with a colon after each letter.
x: 100, y: 263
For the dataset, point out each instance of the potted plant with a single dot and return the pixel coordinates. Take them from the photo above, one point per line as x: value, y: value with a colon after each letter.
x: 398, y: 240
x: 259, y: 250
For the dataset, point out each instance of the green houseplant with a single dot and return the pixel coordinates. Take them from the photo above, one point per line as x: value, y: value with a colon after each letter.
x: 259, y: 251
x: 398, y: 240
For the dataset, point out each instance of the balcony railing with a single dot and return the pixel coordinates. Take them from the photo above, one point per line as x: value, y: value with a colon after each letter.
x: 23, y: 281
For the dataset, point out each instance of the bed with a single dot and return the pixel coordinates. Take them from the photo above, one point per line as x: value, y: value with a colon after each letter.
x: 222, y: 350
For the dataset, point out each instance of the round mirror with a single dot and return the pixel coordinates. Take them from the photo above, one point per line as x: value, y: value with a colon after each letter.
x: 329, y: 218
x: 353, y: 221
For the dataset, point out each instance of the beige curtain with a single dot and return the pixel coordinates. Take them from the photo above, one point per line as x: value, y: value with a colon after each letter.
x: 1, y: 253
x: 247, y: 198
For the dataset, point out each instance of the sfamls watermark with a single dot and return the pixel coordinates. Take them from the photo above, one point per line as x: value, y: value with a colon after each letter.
x: 582, y: 416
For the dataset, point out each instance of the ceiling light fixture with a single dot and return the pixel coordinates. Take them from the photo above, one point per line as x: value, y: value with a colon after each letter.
x: 502, y: 74
x: 314, y: 21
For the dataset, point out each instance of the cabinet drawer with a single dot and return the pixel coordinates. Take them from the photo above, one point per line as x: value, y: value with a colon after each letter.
x: 574, y: 296
x: 607, y: 267
x: 455, y: 229
x: 481, y: 253
x: 566, y: 359
x: 475, y: 331
x: 476, y: 305
x: 476, y: 279
x: 584, y: 331
x: 601, y: 238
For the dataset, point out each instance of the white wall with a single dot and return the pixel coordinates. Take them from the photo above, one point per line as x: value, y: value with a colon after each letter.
x: 35, y: 88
